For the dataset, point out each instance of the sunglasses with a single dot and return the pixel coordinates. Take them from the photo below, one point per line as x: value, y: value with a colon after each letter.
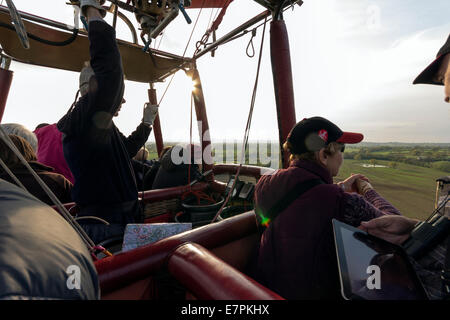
x: 343, y: 148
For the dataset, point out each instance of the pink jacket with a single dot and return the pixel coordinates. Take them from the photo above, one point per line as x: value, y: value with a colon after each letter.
x: 50, y: 151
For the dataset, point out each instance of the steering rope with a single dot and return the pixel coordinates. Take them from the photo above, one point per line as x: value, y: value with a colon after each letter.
x: 198, y: 194
x: 213, y: 28
x: 247, y: 129
x: 237, y: 36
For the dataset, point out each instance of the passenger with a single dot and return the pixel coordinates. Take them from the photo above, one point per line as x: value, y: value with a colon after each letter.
x: 297, y: 257
x: 21, y: 131
x: 95, y: 150
x: 433, y: 268
x: 172, y: 174
x: 41, y: 254
x: 59, y: 185
x: 141, y: 155
x: 141, y: 166
x: 150, y: 175
x: 50, y: 149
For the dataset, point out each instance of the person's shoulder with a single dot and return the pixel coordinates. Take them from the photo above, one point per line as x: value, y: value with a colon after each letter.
x: 57, y: 178
x: 332, y: 187
x: 73, y: 118
x: 267, y: 176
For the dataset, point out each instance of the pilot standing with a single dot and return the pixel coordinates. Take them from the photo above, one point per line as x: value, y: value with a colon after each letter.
x: 97, y: 153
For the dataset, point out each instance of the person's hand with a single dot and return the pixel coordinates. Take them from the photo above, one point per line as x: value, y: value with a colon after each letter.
x: 349, y: 184
x: 362, y: 186
x: 150, y: 112
x: 447, y: 78
x: 395, y: 229
x: 443, y: 76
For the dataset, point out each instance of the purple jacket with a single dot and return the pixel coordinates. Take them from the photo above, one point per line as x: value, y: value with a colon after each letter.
x: 297, y: 256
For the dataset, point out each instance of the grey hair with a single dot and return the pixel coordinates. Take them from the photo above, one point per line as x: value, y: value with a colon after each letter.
x: 21, y: 131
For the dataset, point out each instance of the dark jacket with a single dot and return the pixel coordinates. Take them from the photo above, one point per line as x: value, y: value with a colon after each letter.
x: 40, y: 252
x: 97, y: 153
x: 141, y: 169
x: 297, y: 257
x: 173, y: 175
x: 149, y: 176
x: 57, y: 183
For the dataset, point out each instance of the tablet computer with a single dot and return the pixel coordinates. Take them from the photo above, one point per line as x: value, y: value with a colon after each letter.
x: 373, y: 269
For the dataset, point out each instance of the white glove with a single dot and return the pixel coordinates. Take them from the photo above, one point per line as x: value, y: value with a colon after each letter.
x: 150, y: 112
x: 90, y: 3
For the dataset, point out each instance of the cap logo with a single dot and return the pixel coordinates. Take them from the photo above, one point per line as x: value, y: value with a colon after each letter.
x: 323, y: 134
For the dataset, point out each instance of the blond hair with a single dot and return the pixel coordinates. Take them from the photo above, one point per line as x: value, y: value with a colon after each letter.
x: 330, y: 149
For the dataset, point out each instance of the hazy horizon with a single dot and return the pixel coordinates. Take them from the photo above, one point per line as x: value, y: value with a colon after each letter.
x: 348, y: 145
x: 353, y: 62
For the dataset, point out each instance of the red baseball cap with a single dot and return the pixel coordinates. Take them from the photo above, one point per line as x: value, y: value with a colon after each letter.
x: 313, y: 134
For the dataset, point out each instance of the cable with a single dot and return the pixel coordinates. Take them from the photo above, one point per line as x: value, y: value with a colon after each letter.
x: 93, y: 218
x: 51, y: 43
x: 247, y: 129
x: 193, y: 28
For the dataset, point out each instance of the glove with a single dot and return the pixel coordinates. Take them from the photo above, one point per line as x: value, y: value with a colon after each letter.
x: 363, y: 186
x: 150, y: 112
x: 89, y: 3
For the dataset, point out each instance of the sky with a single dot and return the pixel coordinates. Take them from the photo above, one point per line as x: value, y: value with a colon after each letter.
x: 353, y: 62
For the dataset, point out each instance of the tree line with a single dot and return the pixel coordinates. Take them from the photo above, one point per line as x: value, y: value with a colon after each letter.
x: 425, y: 156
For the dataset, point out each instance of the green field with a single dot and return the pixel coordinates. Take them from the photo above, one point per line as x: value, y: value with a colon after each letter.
x: 411, y: 189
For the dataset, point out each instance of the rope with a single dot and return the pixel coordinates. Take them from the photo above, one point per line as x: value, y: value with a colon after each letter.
x: 100, y: 249
x: 210, y: 17
x: 160, y: 40
x: 185, y: 49
x: 247, y: 129
x: 190, y: 141
x: 244, y: 32
x: 167, y: 88
x: 63, y: 211
x: 142, y: 160
x: 198, y: 194
x: 74, y: 101
x: 219, y: 19
x: 215, y: 25
x: 250, y: 45
x: 193, y: 28
x: 12, y: 175
x: 215, y: 16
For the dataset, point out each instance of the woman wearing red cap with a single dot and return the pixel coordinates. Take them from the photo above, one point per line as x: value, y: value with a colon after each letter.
x: 297, y: 257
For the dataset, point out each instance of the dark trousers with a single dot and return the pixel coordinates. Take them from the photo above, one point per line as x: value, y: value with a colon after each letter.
x: 117, y: 215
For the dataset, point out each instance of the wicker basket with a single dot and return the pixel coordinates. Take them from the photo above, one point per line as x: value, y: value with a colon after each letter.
x: 161, y: 207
